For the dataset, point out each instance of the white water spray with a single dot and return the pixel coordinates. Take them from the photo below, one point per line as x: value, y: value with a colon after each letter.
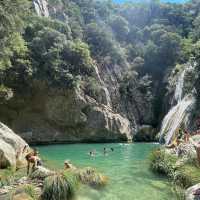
x: 175, y: 118
x: 179, y: 113
x: 179, y: 87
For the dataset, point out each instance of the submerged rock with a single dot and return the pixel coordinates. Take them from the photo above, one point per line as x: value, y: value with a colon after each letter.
x: 11, y: 148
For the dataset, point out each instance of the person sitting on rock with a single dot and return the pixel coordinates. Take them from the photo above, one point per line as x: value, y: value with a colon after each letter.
x: 68, y: 165
x: 186, y: 136
x: 33, y: 158
x: 174, y: 144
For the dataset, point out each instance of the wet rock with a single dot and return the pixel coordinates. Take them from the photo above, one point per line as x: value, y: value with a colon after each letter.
x: 145, y: 133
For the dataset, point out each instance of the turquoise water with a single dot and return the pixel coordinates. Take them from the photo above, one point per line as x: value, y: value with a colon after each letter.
x: 169, y: 1
x: 127, y: 168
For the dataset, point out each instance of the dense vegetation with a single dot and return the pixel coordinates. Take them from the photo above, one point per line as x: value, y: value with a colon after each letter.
x: 62, y: 51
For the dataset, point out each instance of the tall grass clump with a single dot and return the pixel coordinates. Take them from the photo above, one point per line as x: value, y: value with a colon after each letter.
x: 58, y: 187
x: 6, y: 177
x: 30, y: 190
x: 90, y: 177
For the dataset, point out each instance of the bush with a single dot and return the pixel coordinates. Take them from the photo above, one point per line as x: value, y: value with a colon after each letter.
x: 58, y: 187
x: 187, y: 175
x: 184, y: 175
x: 162, y: 162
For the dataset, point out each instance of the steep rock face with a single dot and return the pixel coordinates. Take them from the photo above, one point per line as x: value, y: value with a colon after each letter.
x: 53, y: 115
x: 11, y: 148
x: 45, y: 114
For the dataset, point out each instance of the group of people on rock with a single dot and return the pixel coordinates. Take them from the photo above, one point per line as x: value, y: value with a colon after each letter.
x: 32, y: 158
x: 184, y: 136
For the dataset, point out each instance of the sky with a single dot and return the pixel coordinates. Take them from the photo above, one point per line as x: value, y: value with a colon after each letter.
x: 172, y: 1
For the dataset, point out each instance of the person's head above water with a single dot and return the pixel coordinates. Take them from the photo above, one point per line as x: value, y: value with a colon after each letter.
x: 111, y: 149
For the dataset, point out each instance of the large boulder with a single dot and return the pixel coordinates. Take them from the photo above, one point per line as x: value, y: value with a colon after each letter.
x: 11, y: 148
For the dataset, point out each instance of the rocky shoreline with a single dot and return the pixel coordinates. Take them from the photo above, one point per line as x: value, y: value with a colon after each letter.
x: 180, y: 166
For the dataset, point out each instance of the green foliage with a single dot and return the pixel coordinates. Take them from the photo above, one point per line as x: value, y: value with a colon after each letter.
x: 119, y: 26
x: 11, y: 23
x: 187, y: 175
x: 30, y: 190
x: 184, y: 175
x: 92, y: 87
x: 162, y: 162
x: 6, y: 177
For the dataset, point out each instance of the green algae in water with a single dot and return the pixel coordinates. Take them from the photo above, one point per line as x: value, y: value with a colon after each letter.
x: 127, y: 168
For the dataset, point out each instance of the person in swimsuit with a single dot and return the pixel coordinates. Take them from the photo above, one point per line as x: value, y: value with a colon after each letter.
x: 33, y: 158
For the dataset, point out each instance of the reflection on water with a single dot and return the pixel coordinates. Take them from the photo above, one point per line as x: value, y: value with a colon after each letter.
x: 127, y: 168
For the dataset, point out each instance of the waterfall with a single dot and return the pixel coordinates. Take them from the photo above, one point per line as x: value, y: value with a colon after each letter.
x: 179, y: 87
x: 179, y: 113
x: 41, y: 7
x: 175, y: 117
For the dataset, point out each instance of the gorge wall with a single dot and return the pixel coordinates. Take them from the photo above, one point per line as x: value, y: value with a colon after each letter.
x: 91, y: 71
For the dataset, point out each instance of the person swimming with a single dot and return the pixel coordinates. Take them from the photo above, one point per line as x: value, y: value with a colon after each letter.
x: 112, y: 149
x: 68, y: 165
x: 92, y: 153
x: 105, y: 151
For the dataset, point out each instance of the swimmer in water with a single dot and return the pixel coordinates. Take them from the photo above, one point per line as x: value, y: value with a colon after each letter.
x: 104, y: 151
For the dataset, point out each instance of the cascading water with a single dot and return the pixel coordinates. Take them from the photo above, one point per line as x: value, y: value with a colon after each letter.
x: 175, y: 118
x: 179, y: 87
x: 179, y: 113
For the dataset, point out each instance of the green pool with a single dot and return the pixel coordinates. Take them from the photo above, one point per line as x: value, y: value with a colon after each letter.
x: 127, y: 168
